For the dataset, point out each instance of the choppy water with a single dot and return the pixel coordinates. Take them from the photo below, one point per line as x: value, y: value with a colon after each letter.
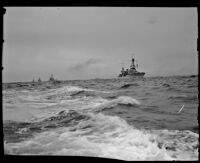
x: 111, y: 118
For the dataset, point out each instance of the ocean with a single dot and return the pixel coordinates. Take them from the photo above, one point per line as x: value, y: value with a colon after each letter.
x: 152, y: 118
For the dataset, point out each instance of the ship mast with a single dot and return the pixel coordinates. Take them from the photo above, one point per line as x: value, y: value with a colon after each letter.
x: 132, y: 64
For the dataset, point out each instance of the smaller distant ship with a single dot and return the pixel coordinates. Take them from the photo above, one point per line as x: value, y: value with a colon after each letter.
x: 51, y: 79
x: 131, y: 72
x: 39, y: 80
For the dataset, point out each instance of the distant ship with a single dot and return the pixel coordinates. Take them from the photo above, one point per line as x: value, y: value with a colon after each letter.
x: 39, y: 80
x: 131, y: 72
x: 51, y: 79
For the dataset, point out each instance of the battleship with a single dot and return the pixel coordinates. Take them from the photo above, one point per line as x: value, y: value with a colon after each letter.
x: 131, y: 72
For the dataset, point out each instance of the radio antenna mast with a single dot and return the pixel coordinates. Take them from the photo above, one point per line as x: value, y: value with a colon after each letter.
x: 132, y: 55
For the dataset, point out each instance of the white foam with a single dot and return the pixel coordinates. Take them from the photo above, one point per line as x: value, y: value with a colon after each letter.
x: 103, y: 136
x: 125, y: 100
x: 70, y: 89
x: 40, y: 102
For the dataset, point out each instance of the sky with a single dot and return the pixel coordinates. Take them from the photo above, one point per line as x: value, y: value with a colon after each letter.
x: 95, y: 42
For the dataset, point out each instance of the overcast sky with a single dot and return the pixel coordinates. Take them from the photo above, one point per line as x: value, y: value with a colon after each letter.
x: 95, y: 42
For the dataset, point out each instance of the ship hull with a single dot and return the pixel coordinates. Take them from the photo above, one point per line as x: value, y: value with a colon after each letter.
x: 134, y: 75
x: 139, y: 74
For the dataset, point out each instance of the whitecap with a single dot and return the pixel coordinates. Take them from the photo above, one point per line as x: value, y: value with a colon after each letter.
x: 122, y: 100
x: 108, y: 137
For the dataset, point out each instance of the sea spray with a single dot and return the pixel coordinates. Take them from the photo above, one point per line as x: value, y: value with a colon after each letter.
x: 105, y: 136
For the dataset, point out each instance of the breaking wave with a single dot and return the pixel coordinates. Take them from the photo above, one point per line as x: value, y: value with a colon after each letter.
x: 106, y: 136
x: 122, y: 100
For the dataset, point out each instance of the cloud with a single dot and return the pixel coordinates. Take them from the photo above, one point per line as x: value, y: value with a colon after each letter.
x: 86, y: 64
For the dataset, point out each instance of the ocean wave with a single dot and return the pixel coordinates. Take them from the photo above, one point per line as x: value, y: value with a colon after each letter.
x: 71, y: 92
x: 180, y: 144
x: 62, y: 92
x: 166, y: 85
x: 45, y: 98
x: 16, y: 131
x: 183, y: 97
x: 78, y: 93
x: 128, y: 85
x: 121, y: 100
x: 110, y: 137
x: 155, y: 110
x: 69, y: 120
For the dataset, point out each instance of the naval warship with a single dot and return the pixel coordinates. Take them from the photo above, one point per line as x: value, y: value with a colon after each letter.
x: 131, y: 72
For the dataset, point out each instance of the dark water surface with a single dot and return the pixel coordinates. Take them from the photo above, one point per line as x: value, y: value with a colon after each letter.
x: 153, y: 118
